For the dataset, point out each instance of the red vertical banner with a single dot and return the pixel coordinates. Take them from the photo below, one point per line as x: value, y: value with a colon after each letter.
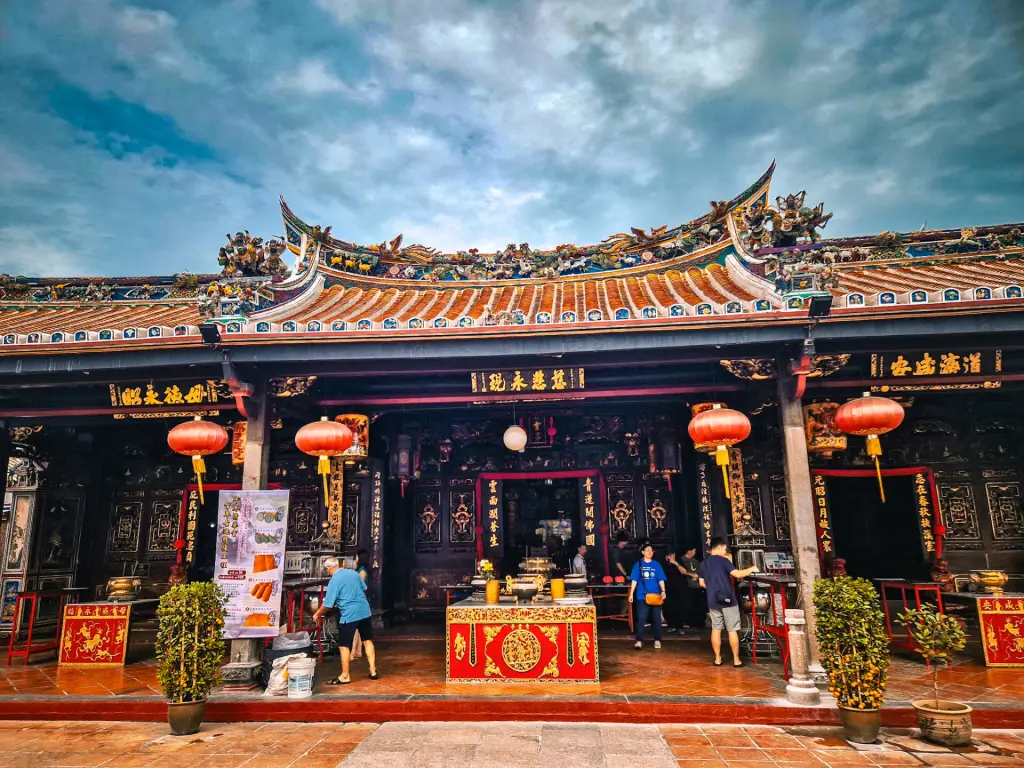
x: 822, y: 518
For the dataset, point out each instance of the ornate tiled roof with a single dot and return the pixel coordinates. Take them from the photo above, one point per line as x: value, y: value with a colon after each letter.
x: 746, y: 259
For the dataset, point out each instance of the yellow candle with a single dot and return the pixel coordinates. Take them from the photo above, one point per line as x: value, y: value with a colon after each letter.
x: 493, y: 590
x: 557, y: 589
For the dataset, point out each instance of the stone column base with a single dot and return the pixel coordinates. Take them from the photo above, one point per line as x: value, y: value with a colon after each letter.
x: 803, y: 692
x: 240, y: 675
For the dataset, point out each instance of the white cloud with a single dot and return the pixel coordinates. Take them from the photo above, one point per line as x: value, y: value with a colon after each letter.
x: 24, y: 251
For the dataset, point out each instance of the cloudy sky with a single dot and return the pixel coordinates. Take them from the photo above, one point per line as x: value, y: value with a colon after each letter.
x: 133, y: 136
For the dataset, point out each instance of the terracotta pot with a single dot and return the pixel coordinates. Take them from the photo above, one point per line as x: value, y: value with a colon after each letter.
x: 185, y: 718
x: 861, y: 725
x: 944, y: 722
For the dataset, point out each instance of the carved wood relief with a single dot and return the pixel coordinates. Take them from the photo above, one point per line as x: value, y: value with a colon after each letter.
x: 754, y: 512
x: 658, y: 510
x: 780, y: 511
x: 461, y: 515
x: 1006, y: 512
x: 352, y: 512
x: 959, y: 515
x: 163, y: 529
x: 621, y: 515
x: 428, y: 519
x: 125, y: 528
x: 303, y: 519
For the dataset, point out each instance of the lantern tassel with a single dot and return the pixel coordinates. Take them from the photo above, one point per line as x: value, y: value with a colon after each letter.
x: 324, y: 468
x: 722, y: 459
x: 874, y: 451
x: 199, y: 466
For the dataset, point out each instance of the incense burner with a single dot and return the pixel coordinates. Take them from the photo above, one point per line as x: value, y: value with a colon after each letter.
x: 123, y: 588
x: 989, y: 581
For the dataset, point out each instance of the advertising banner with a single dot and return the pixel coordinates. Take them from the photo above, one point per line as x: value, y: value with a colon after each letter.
x: 249, y: 564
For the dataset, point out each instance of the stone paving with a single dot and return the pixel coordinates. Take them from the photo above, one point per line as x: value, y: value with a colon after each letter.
x: 492, y: 745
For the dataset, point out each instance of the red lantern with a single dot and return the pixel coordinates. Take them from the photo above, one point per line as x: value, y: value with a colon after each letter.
x: 869, y: 417
x: 722, y: 428
x: 324, y: 439
x: 197, y: 439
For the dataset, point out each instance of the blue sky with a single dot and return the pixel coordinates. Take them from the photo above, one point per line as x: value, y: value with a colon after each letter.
x: 134, y: 136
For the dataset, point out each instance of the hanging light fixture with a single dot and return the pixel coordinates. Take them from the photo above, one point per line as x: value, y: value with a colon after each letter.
x: 515, y: 438
x: 720, y: 428
x: 324, y: 439
x: 869, y: 417
x: 197, y: 439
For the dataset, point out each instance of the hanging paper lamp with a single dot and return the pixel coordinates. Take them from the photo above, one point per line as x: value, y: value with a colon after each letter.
x: 515, y: 438
x: 324, y: 439
x: 197, y: 439
x: 869, y: 417
x: 721, y: 428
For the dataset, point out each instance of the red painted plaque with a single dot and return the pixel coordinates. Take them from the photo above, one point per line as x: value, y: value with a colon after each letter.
x: 94, y: 635
x: 1002, y: 630
x: 508, y: 643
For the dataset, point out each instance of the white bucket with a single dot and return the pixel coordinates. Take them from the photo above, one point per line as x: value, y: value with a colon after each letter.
x: 300, y: 678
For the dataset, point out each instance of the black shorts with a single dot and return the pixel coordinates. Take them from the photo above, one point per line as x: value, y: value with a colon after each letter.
x: 347, y: 632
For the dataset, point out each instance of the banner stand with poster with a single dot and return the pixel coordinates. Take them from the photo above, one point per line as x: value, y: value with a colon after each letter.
x: 249, y: 562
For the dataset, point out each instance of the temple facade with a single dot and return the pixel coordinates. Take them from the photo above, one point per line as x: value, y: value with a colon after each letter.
x: 602, y: 354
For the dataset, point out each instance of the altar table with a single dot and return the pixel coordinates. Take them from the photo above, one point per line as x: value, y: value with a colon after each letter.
x: 521, y: 642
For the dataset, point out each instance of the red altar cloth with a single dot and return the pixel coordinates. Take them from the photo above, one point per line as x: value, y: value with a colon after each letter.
x: 95, y: 635
x: 1002, y: 630
x: 526, y: 642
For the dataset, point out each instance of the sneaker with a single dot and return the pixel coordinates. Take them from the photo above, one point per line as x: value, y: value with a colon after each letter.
x: 657, y: 645
x: 638, y: 645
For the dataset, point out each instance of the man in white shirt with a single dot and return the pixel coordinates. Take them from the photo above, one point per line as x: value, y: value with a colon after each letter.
x: 579, y: 563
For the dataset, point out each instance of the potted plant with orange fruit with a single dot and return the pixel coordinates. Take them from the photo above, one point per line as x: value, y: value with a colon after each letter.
x: 854, y: 651
x: 938, y: 637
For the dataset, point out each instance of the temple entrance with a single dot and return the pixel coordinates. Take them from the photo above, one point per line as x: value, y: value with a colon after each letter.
x: 878, y: 541
x: 541, y: 520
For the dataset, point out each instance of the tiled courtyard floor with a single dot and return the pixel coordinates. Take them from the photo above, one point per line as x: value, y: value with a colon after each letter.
x: 413, y: 668
x: 488, y: 745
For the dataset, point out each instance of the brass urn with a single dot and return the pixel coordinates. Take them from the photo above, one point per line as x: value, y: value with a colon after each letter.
x: 123, y: 588
x: 989, y: 581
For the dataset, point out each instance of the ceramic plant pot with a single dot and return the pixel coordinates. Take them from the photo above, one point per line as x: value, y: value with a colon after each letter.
x: 861, y: 726
x: 185, y: 718
x: 944, y: 722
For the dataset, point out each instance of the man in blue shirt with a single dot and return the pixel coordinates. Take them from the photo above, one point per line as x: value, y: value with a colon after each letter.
x: 346, y: 592
x: 647, y: 582
x: 716, y: 575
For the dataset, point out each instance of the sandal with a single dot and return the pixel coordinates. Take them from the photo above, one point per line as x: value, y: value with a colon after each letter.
x: 375, y: 676
x: 741, y: 664
x: 717, y: 663
x: 338, y: 681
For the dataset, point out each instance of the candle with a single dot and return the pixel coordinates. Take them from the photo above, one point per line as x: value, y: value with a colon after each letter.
x: 557, y: 589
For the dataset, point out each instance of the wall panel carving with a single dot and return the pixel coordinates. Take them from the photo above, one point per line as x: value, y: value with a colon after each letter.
x: 352, y: 512
x: 754, y: 512
x: 959, y: 515
x: 658, y: 511
x: 461, y: 516
x: 621, y: 511
x: 125, y: 527
x: 163, y: 529
x: 1005, y: 511
x: 780, y: 511
x: 429, y: 516
x: 303, y: 518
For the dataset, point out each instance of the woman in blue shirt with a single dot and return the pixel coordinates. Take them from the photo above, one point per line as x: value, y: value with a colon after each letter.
x: 647, y: 582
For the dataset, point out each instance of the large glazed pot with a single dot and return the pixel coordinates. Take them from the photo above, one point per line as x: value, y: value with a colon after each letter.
x: 185, y: 719
x: 525, y: 589
x: 575, y: 582
x: 861, y: 725
x: 944, y: 722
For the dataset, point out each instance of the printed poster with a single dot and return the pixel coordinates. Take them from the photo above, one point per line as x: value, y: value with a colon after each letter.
x: 249, y: 564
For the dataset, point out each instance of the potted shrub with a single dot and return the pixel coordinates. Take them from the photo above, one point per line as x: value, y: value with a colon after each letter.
x: 854, y: 651
x: 938, y: 638
x: 190, y: 650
